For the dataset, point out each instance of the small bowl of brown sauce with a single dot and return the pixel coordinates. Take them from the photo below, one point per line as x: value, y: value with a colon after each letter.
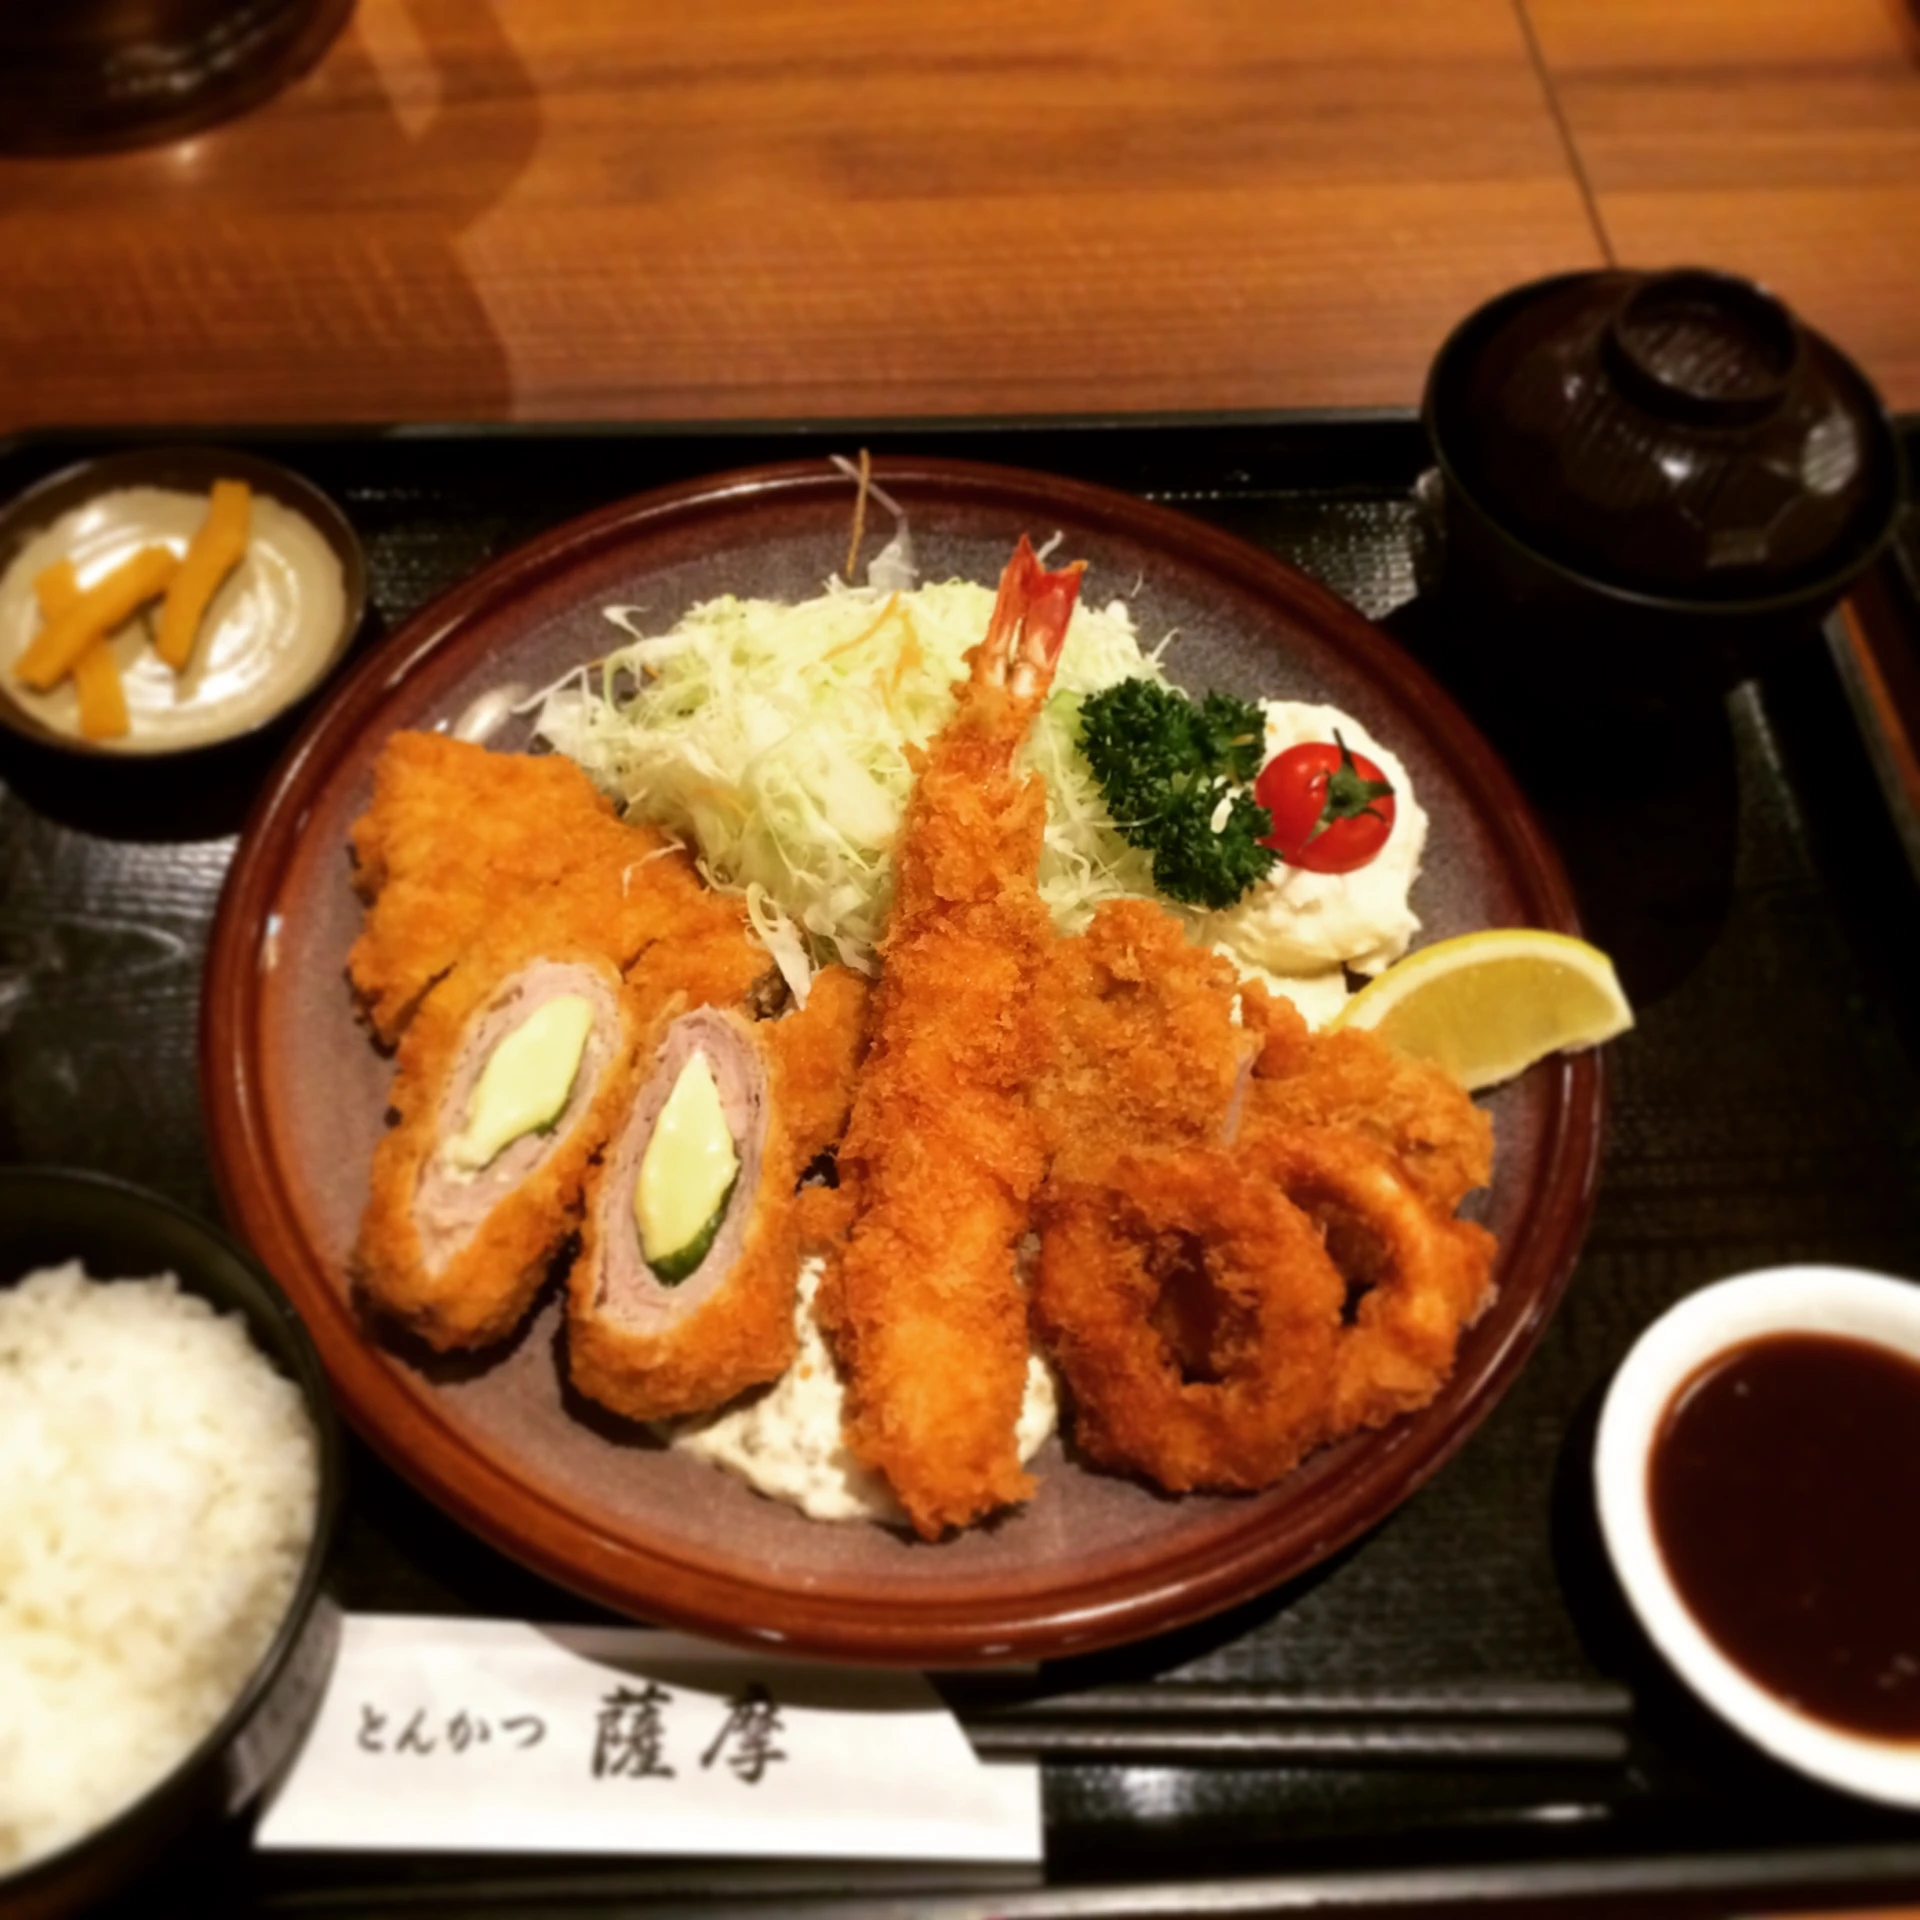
x: 1758, y: 1477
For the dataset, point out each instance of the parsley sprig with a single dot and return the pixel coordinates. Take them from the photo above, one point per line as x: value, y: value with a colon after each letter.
x: 1166, y: 766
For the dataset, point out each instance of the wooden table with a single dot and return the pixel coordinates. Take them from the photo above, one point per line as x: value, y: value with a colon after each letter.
x: 761, y: 208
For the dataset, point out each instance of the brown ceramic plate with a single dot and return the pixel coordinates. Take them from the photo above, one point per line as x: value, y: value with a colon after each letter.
x: 295, y: 1096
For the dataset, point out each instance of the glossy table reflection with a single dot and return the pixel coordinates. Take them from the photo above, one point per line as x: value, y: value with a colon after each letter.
x: 586, y: 209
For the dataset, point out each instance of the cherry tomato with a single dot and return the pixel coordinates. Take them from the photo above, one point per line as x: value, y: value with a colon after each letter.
x: 1332, y: 810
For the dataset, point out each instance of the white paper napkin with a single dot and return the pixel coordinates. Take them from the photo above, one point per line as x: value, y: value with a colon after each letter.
x: 493, y: 1736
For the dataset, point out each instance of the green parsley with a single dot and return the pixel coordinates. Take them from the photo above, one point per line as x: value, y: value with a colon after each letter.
x: 1166, y: 766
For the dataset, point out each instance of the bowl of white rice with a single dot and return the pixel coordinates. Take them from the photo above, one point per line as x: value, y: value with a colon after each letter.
x: 169, y: 1475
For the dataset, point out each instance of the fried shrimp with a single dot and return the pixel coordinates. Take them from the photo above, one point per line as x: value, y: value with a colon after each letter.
x: 1420, y: 1276
x: 462, y: 846
x: 943, y: 1152
x: 1355, y: 1081
x: 1193, y: 1312
x: 1142, y: 1048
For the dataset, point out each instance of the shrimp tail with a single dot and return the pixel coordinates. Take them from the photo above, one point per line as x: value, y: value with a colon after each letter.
x: 1012, y: 667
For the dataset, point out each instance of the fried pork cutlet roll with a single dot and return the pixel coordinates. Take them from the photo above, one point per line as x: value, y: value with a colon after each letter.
x: 458, y: 838
x: 817, y: 1053
x: 683, y: 1292
x: 508, y: 1080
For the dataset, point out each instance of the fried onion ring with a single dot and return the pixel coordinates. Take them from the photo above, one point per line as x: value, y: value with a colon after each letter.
x: 1425, y: 1274
x: 1194, y: 1313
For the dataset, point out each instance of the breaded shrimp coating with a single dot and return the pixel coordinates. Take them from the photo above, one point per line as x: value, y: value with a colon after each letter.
x: 944, y: 1152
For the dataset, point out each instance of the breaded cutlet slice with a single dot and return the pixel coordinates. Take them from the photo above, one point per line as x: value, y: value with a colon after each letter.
x: 458, y: 1255
x: 461, y: 845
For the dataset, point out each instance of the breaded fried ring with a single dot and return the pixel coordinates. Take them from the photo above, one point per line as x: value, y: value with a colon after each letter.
x: 1208, y: 1372
x: 1426, y: 1275
x: 1353, y: 1080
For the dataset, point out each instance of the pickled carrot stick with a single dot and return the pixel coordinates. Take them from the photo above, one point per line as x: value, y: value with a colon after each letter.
x: 213, y: 553
x: 56, y: 588
x: 101, y: 608
x: 96, y: 674
x: 103, y: 699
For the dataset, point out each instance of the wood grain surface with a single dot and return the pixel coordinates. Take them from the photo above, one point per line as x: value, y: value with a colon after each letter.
x: 777, y: 208
x: 781, y: 207
x: 1776, y: 138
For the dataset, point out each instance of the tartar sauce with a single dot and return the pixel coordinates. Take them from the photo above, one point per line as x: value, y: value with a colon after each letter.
x: 785, y: 1440
x: 1302, y: 924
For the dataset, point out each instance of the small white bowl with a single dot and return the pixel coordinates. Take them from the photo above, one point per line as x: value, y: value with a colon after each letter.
x: 1829, y: 1300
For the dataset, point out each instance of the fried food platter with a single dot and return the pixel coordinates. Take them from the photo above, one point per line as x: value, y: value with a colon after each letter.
x: 295, y: 1096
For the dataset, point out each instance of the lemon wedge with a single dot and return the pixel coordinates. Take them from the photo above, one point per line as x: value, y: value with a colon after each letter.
x: 1487, y: 1005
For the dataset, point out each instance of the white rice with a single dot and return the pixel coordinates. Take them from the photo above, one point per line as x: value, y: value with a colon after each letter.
x: 158, y: 1482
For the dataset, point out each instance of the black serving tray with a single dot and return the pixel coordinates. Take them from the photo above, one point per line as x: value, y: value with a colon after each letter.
x: 1456, y: 1709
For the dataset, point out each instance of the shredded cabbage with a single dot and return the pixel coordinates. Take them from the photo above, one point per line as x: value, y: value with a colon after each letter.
x: 773, y: 740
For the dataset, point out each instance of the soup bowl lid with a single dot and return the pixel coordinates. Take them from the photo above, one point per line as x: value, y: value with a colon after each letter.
x: 1678, y: 434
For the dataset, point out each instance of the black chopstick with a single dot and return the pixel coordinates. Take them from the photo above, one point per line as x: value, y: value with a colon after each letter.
x: 1357, y: 1743
x: 1200, y: 1723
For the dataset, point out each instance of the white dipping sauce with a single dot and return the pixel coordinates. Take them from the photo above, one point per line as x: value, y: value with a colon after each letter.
x: 785, y: 1440
x: 269, y: 633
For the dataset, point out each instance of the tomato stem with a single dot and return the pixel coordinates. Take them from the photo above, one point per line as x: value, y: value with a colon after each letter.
x: 1349, y: 795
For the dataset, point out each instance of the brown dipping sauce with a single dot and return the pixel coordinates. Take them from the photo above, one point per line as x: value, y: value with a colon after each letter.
x: 1785, y: 1488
